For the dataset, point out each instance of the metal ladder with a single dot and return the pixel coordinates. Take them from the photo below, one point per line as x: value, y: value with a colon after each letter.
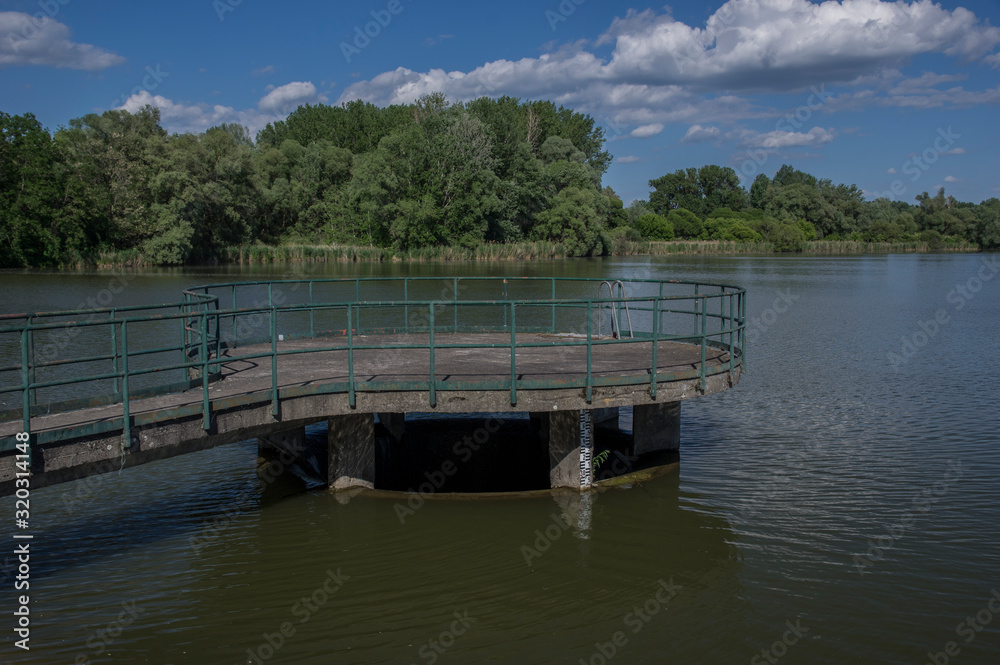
x: 615, y: 313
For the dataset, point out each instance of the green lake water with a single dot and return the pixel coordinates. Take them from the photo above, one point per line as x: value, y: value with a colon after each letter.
x: 839, y: 505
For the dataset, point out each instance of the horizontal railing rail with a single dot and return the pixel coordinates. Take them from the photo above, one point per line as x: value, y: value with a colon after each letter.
x: 232, y: 322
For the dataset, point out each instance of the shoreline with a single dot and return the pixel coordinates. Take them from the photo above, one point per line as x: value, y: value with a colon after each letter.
x: 521, y: 251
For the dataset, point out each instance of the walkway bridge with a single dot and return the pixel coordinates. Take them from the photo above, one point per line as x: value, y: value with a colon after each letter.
x: 109, y: 388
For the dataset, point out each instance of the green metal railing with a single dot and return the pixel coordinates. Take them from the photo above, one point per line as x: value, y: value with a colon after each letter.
x: 247, y: 321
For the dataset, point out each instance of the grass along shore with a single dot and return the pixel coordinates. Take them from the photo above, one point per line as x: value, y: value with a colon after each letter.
x: 258, y: 253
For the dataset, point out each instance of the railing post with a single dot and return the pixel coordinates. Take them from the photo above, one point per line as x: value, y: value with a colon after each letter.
x: 32, y: 397
x: 590, y: 350
x: 697, y: 303
x: 504, y: 293
x: 26, y: 385
x: 274, y: 360
x: 235, y: 344
x: 455, y: 305
x: 513, y: 356
x: 553, y: 331
x: 433, y: 384
x: 312, y: 312
x: 732, y: 330
x: 357, y: 299
x: 351, y: 397
x: 114, y: 353
x: 704, y: 339
x: 743, y: 330
x: 656, y: 339
x: 406, y: 306
x: 206, y: 419
x: 218, y: 341
x: 126, y: 416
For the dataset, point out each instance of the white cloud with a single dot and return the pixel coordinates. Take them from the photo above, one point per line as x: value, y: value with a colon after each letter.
x: 697, y: 134
x: 955, y: 151
x: 663, y: 71
x: 286, y: 98
x: 891, y: 170
x: 28, y: 40
x: 951, y: 178
x: 928, y: 81
x: 179, y: 117
x: 779, y: 139
x: 263, y: 71
x: 645, y: 131
x: 629, y: 159
x: 782, y: 44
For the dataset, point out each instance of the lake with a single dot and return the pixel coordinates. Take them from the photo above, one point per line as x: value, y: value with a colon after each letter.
x: 840, y: 504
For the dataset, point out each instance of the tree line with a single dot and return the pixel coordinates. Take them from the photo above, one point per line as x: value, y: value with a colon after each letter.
x: 401, y: 177
x: 794, y: 207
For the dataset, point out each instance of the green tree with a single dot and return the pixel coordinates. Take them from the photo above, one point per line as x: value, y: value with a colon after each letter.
x: 686, y: 224
x: 988, y: 224
x: 32, y: 232
x: 108, y: 166
x: 655, y: 227
x: 573, y: 220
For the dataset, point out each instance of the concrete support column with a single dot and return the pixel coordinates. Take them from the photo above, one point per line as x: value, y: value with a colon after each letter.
x: 395, y: 423
x: 571, y: 449
x: 352, y: 451
x: 656, y: 428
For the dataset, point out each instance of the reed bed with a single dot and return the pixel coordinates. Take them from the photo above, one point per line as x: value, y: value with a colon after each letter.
x: 519, y: 251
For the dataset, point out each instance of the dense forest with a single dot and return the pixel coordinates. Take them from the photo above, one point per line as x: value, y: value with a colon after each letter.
x: 402, y: 177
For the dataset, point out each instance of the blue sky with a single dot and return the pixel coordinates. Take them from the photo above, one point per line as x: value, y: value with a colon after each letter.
x: 898, y: 98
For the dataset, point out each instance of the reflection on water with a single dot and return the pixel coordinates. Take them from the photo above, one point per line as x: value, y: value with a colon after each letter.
x: 823, y: 456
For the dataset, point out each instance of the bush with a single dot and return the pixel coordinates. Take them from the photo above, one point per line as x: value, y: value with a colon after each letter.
x: 883, y: 231
x: 626, y: 233
x: 786, y: 235
x: 655, y: 227
x: 730, y: 229
x: 686, y: 223
x: 808, y: 229
x: 933, y: 239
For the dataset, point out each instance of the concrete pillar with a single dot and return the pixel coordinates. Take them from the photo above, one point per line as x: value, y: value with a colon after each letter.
x: 395, y: 423
x: 656, y: 428
x: 352, y: 451
x: 571, y: 449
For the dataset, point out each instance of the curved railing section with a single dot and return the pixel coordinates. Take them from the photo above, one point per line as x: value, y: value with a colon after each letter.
x: 52, y: 362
